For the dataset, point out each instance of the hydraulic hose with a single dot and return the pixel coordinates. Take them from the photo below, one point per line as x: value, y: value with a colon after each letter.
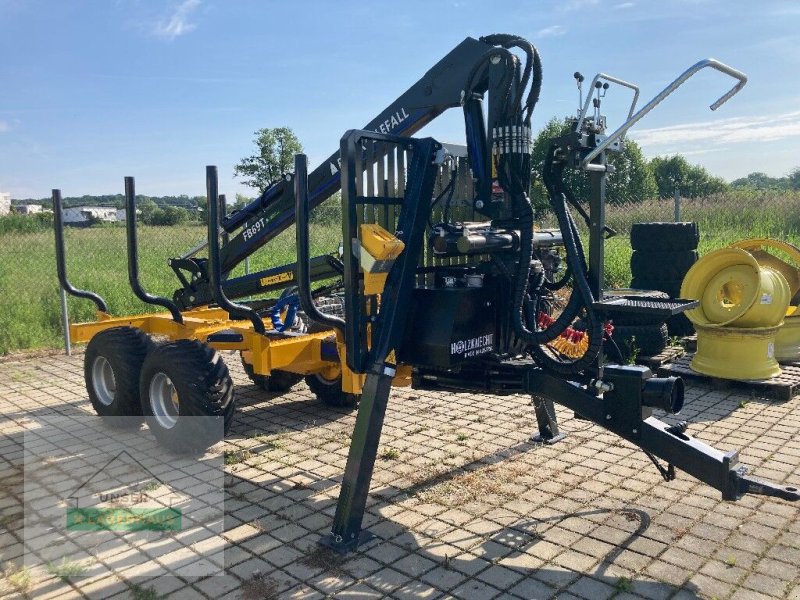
x: 581, y: 296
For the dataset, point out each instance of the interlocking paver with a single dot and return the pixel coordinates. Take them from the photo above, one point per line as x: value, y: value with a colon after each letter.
x: 487, y: 516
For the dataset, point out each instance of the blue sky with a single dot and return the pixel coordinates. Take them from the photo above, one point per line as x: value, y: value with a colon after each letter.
x: 96, y: 90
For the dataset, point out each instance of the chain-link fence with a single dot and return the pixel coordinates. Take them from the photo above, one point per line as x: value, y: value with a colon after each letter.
x: 96, y: 256
x: 96, y: 260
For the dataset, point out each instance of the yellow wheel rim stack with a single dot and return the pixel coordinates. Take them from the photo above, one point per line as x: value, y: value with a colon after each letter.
x: 742, y: 306
x: 787, y: 341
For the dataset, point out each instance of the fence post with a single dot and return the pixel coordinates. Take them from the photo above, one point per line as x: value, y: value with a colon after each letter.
x: 65, y: 322
x: 677, y: 204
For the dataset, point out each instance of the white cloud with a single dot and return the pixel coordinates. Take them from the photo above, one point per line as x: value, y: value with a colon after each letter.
x: 4, y: 126
x: 725, y: 131
x: 578, y: 4
x: 625, y: 5
x: 177, y: 23
x: 552, y: 31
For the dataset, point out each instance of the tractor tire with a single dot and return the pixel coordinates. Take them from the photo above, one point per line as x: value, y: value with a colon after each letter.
x: 642, y: 340
x: 680, y: 326
x: 663, y: 237
x: 277, y: 381
x: 671, y: 287
x: 111, y: 368
x: 181, y: 382
x: 329, y: 391
x: 662, y: 266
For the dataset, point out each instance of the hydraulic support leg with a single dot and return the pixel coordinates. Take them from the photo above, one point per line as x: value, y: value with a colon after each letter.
x: 388, y: 330
x: 547, y: 421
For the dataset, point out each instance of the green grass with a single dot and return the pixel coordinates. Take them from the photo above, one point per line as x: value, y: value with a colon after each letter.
x: 19, y: 577
x: 97, y: 260
x: 144, y: 593
x: 390, y: 454
x: 66, y: 569
x: 31, y: 315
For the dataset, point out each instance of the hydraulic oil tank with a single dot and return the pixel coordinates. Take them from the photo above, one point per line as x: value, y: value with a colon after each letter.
x: 449, y: 325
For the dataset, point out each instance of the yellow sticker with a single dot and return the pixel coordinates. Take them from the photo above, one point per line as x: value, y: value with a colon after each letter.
x: 279, y: 278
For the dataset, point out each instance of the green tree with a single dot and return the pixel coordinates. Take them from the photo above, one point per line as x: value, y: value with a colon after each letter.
x: 147, y: 208
x: 276, y: 149
x: 631, y: 181
x: 693, y: 181
x: 241, y: 201
x: 169, y: 215
x: 794, y: 178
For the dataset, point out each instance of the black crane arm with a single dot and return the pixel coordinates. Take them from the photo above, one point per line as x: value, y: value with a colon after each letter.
x: 436, y: 91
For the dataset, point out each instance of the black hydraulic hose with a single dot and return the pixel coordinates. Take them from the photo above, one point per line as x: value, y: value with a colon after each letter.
x: 581, y: 295
x: 533, y: 67
x: 594, y: 327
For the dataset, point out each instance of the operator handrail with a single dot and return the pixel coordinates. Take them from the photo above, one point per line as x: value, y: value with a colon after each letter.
x: 61, y: 264
x: 708, y: 62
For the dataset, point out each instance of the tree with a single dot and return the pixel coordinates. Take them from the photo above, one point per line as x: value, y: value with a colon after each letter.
x: 275, y: 156
x: 794, y: 179
x: 241, y: 201
x: 693, y: 181
x: 631, y: 181
x: 168, y: 216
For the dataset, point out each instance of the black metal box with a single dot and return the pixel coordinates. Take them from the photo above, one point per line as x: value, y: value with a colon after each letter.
x: 448, y: 326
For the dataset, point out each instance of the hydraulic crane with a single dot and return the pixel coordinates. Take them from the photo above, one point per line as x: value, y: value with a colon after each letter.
x: 444, y: 283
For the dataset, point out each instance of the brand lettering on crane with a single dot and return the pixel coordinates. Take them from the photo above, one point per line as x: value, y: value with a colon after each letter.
x: 473, y: 346
x: 389, y: 124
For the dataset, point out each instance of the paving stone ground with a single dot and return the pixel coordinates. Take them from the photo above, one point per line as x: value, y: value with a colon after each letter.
x: 462, y: 503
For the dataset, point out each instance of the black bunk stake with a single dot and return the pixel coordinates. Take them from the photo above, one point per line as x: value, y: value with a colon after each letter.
x: 303, y: 266
x: 61, y: 263
x: 236, y: 311
x: 387, y: 333
x: 133, y: 255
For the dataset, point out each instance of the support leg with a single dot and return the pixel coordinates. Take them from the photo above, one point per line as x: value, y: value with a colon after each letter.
x: 547, y: 422
x: 346, y: 533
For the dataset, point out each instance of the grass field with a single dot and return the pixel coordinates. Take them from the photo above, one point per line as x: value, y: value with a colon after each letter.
x: 30, y: 316
x: 96, y: 260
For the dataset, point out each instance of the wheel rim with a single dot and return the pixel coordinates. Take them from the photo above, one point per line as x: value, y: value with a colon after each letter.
x: 103, y: 381
x: 164, y: 401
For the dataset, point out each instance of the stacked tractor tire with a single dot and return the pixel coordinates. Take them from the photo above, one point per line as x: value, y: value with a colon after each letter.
x: 662, y: 255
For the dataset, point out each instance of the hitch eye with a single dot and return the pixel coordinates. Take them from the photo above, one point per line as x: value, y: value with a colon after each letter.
x: 665, y: 393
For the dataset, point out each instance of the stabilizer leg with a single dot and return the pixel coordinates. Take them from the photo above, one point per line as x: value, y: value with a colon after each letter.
x: 346, y: 533
x: 547, y: 421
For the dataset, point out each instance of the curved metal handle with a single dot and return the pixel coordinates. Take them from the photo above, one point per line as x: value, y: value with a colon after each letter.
x: 612, y: 79
x: 709, y: 62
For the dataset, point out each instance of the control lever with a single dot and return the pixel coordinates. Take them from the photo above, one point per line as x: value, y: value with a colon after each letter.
x: 709, y: 62
x: 612, y: 79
